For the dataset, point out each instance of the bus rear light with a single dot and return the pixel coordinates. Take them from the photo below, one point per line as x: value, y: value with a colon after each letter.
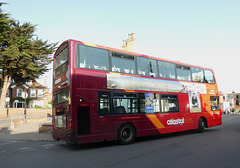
x: 70, y: 123
x: 81, y: 100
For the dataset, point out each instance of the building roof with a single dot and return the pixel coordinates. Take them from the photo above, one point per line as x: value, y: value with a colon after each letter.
x: 36, y: 85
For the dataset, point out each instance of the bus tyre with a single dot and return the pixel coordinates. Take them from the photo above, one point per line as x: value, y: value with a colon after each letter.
x: 201, y: 125
x: 126, y: 134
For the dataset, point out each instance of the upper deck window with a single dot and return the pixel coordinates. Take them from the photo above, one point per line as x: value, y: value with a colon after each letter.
x: 183, y: 73
x: 147, y: 67
x: 166, y: 70
x: 61, y: 61
x: 209, y: 77
x: 197, y: 74
x: 122, y: 63
x: 93, y: 58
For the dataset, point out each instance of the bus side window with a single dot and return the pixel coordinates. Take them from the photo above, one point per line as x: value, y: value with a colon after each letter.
x: 197, y: 74
x: 147, y: 67
x: 142, y: 102
x: 104, y: 104
x: 125, y: 103
x: 169, y: 103
x: 123, y: 63
x: 93, y: 58
x: 166, y: 70
x: 183, y: 72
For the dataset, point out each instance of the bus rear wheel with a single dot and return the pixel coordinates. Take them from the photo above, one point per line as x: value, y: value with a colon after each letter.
x: 126, y: 134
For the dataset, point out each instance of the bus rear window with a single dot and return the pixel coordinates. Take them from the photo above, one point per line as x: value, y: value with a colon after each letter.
x: 215, y: 104
x: 61, y: 97
x: 61, y: 61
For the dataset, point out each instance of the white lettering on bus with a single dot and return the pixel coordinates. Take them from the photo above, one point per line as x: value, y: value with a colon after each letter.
x: 175, y: 121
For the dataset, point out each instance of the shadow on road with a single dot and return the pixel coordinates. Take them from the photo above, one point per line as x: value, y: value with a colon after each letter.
x: 5, y: 130
x: 148, y: 139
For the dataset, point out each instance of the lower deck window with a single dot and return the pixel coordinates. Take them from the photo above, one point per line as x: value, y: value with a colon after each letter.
x: 169, y: 103
x: 149, y: 102
x: 104, y: 104
x: 132, y: 103
x: 125, y: 105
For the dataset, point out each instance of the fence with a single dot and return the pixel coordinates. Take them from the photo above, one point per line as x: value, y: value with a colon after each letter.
x: 18, y: 112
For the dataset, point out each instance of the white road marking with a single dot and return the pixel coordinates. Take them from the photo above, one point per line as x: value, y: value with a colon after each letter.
x: 46, y: 146
x: 7, y: 143
x: 3, y: 152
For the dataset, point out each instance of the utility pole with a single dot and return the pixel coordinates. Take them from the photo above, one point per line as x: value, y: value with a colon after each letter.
x: 25, y: 95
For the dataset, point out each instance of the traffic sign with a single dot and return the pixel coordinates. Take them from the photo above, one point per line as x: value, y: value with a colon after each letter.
x: 24, y: 95
x: 7, y: 99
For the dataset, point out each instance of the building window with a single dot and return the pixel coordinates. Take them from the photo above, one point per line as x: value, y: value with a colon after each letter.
x: 20, y: 104
x: 32, y: 92
x: 40, y: 92
x: 19, y: 92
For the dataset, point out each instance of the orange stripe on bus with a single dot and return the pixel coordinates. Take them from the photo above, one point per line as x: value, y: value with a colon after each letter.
x: 89, y: 44
x: 153, y: 118
x: 129, y: 90
x: 115, y: 73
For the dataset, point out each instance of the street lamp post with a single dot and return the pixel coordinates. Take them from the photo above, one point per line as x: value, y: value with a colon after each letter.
x: 24, y: 95
x: 7, y: 100
x: 25, y: 112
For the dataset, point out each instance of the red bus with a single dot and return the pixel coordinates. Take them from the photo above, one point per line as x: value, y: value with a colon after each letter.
x: 106, y: 94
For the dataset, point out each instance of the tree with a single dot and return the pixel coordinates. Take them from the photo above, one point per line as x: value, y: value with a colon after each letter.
x: 23, y: 57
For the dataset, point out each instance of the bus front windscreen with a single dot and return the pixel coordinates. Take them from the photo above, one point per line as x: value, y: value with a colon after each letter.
x: 61, y: 61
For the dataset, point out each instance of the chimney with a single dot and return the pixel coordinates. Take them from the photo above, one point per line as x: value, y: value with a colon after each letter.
x: 128, y: 44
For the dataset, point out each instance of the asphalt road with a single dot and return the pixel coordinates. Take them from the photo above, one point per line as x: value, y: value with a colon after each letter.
x: 218, y: 147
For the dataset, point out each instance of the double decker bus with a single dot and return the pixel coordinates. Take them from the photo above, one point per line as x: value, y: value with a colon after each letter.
x: 106, y: 94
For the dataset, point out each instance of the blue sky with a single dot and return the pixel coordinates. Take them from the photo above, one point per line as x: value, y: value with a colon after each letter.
x: 199, y: 32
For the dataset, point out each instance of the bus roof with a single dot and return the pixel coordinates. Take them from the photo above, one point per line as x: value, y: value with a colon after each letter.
x: 127, y: 52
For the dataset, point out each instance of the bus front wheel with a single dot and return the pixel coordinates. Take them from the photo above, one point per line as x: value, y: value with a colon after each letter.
x: 126, y: 134
x: 201, y: 125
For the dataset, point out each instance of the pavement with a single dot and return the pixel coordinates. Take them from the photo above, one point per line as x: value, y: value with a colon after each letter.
x: 30, y: 131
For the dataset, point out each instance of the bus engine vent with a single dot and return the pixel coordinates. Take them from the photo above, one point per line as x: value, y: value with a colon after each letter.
x: 83, y: 120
